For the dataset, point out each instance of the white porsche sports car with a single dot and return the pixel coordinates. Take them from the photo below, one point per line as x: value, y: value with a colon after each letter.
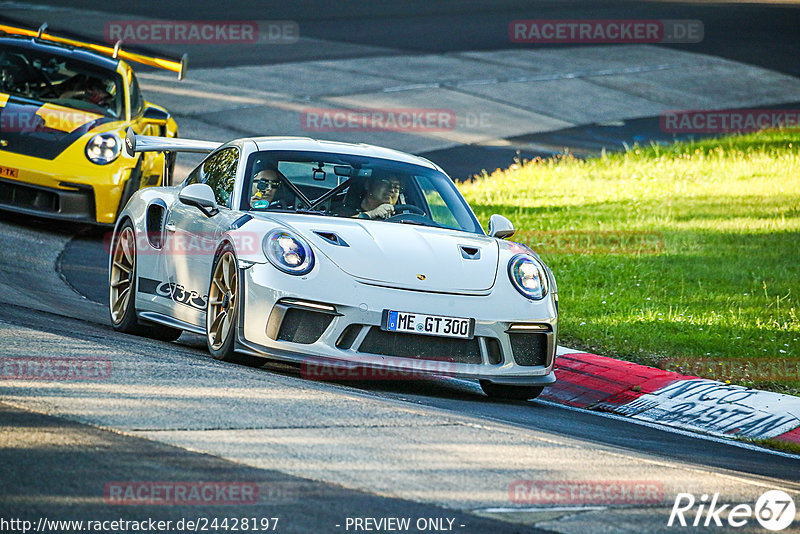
x: 315, y: 251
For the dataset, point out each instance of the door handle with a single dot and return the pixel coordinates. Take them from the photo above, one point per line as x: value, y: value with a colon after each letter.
x: 170, y: 227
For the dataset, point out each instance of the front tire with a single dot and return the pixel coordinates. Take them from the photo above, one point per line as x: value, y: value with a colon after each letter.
x: 122, y: 282
x: 506, y: 392
x: 122, y: 290
x: 221, y: 311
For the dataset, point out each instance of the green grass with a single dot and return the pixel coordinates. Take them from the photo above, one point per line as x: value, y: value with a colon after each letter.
x: 724, y: 281
x: 772, y: 443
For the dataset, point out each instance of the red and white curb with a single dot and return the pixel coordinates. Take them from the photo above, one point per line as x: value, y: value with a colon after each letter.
x: 599, y: 383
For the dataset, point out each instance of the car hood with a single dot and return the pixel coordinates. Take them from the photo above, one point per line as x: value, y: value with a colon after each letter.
x: 43, y: 130
x: 402, y: 255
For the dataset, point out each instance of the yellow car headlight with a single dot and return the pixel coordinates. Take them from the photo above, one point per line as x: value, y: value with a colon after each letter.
x: 103, y: 148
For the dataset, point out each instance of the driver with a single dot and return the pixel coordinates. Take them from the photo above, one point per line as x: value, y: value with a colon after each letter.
x: 380, y: 197
x: 87, y: 88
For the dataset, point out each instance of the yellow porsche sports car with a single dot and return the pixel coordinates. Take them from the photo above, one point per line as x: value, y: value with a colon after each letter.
x: 65, y: 106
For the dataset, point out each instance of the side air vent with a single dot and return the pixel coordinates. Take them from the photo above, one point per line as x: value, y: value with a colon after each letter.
x: 332, y: 238
x: 155, y: 224
x: 470, y: 253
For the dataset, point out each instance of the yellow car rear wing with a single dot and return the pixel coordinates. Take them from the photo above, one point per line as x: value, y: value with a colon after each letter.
x: 112, y: 51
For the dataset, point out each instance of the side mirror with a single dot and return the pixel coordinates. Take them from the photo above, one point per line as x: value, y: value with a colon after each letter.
x: 500, y: 227
x: 200, y: 196
x: 155, y: 115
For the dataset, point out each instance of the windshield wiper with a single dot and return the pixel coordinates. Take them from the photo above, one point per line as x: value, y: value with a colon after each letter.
x: 307, y: 211
x: 304, y: 211
x: 432, y: 224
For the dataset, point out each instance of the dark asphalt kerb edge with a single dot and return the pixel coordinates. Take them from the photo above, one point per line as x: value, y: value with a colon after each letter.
x: 59, y: 264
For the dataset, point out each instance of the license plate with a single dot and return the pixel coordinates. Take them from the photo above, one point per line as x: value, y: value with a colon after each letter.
x: 8, y: 172
x: 430, y: 325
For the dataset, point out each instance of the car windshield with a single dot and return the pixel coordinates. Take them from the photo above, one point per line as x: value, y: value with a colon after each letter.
x: 62, y: 81
x: 338, y: 185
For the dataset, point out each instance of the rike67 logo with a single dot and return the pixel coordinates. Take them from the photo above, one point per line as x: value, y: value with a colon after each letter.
x: 774, y: 510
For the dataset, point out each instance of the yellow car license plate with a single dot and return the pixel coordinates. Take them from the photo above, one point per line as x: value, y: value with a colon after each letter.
x: 8, y: 172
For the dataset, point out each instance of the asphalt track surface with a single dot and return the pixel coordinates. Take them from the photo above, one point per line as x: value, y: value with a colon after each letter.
x: 85, y: 456
x: 759, y: 33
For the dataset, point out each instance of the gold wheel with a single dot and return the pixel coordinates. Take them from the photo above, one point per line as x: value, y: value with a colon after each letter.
x: 123, y: 263
x: 222, y: 301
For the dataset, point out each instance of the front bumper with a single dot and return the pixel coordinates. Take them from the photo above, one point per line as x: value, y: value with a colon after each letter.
x: 59, y: 189
x: 76, y: 204
x: 514, y: 338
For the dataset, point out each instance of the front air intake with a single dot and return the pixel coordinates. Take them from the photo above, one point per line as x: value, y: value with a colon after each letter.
x: 299, y: 321
x: 303, y: 326
x: 529, y: 350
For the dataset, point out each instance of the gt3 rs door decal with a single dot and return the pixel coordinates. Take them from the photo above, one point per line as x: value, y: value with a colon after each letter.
x: 173, y: 291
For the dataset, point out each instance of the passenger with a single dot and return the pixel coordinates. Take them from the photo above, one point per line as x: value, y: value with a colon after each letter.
x: 98, y: 95
x: 379, y: 199
x: 266, y: 184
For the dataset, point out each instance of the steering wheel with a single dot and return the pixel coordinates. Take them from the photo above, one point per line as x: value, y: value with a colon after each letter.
x: 49, y: 88
x: 408, y: 208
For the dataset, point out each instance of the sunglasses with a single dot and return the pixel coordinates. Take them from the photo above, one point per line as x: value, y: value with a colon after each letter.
x: 263, y: 185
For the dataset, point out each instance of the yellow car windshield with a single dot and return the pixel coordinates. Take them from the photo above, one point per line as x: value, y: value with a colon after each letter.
x: 60, y: 80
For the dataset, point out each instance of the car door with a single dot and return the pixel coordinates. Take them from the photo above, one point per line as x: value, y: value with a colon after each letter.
x: 194, y: 236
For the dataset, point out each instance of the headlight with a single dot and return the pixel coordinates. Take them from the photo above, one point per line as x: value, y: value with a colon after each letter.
x: 103, y: 148
x: 528, y: 276
x: 288, y: 253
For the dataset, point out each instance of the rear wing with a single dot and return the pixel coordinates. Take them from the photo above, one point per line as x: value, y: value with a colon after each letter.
x: 149, y: 143
x: 178, y: 66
